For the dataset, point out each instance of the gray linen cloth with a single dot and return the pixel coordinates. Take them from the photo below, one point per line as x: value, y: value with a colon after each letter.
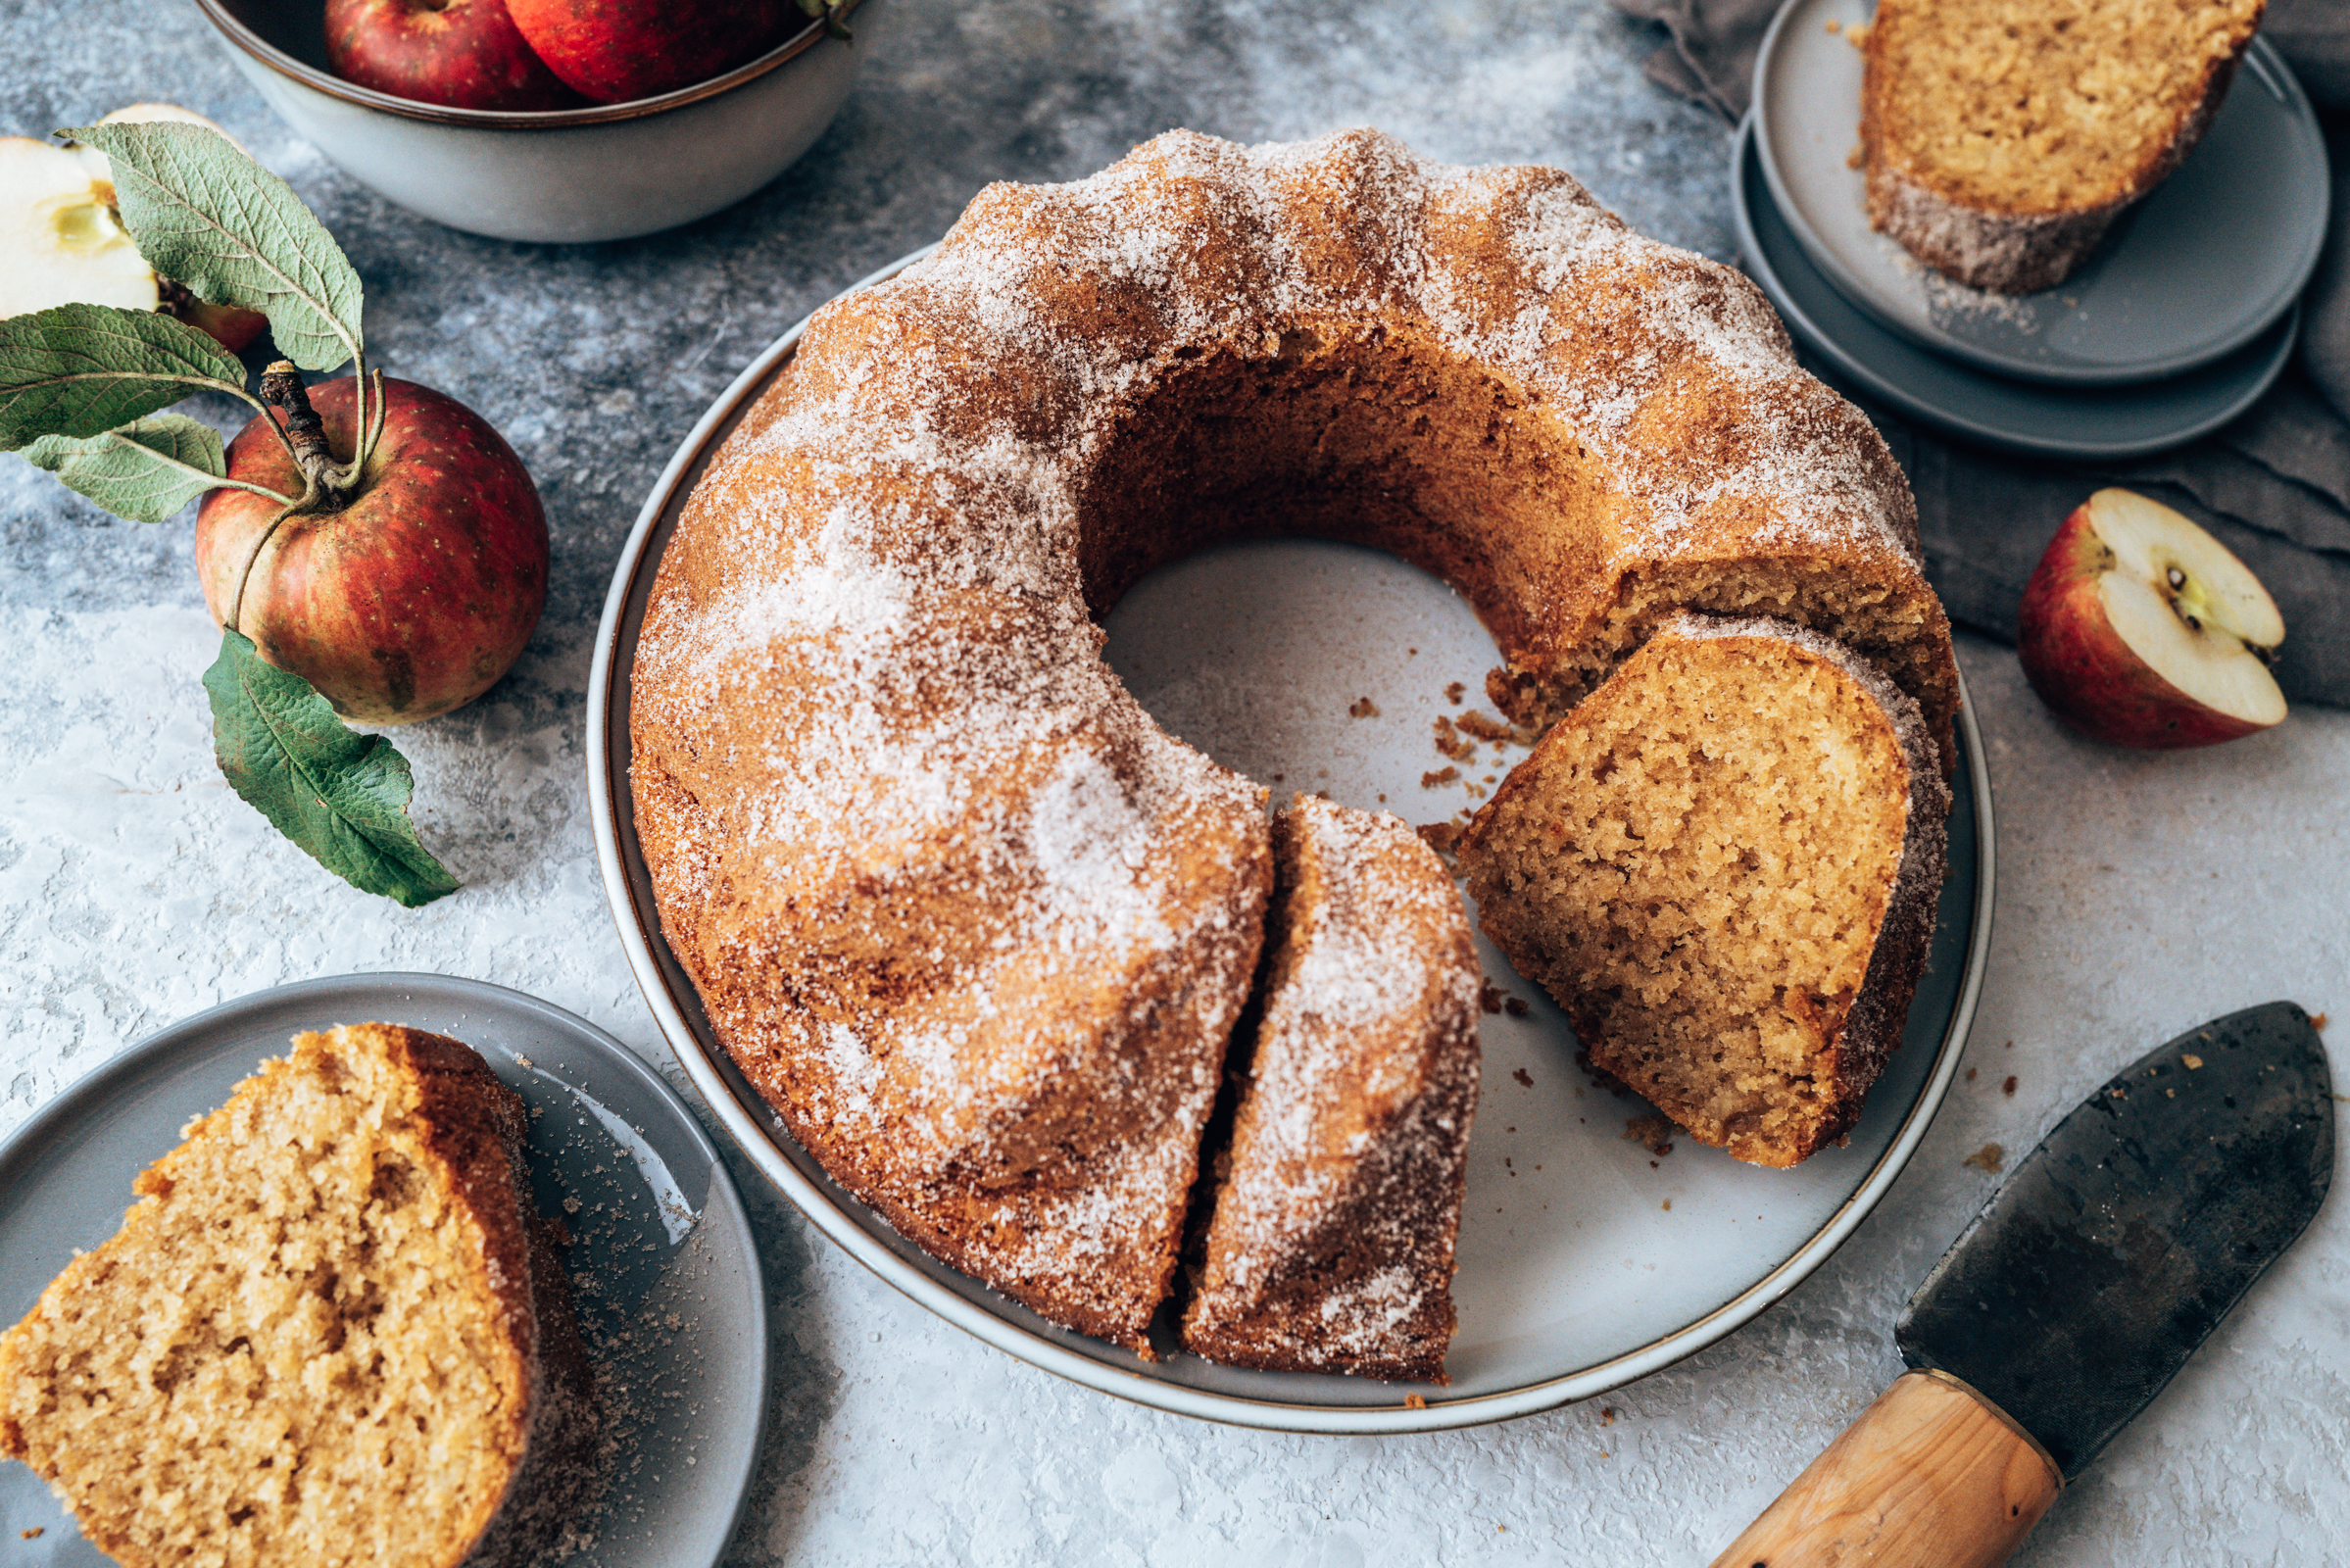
x: 2274, y: 486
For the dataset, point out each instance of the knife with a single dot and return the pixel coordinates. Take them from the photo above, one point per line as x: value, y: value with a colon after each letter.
x: 2087, y: 1281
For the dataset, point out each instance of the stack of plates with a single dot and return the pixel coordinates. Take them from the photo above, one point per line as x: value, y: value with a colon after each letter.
x: 2180, y: 321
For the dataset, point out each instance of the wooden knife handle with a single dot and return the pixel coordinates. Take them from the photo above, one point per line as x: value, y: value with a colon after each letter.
x: 1931, y: 1476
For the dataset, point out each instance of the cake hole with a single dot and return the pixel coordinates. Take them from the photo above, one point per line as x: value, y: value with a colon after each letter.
x: 1256, y: 651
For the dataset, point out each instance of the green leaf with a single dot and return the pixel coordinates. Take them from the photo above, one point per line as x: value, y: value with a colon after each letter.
x: 145, y: 472
x: 207, y: 216
x: 339, y: 794
x: 78, y: 371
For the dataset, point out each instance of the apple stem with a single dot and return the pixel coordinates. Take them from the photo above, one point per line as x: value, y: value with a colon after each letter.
x: 305, y: 435
x: 374, y: 427
x: 236, y: 606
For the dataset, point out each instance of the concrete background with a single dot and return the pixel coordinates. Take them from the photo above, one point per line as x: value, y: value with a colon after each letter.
x: 2139, y: 893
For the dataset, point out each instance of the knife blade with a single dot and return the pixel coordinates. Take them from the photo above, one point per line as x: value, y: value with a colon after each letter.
x: 2083, y: 1285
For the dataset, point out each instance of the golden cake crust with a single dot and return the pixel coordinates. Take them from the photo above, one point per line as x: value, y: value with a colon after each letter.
x: 973, y: 923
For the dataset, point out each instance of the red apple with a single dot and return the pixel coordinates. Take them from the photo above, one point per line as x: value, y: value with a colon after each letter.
x: 2141, y: 630
x: 413, y: 597
x: 464, y: 54
x: 617, y: 50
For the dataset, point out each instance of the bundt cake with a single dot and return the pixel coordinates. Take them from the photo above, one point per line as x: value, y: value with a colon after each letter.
x: 333, y: 1331
x: 973, y: 923
x: 1724, y: 864
x: 1337, y: 1203
x: 2001, y: 138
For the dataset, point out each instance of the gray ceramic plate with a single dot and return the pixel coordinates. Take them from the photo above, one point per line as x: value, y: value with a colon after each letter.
x: 2197, y: 270
x: 660, y: 1233
x: 2089, y: 424
x: 1585, y: 1262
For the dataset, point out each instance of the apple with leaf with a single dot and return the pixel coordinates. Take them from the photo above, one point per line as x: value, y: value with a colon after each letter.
x: 376, y: 552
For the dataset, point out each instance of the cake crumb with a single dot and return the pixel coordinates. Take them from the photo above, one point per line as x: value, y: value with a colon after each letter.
x: 1653, y: 1133
x: 1988, y: 1158
x: 1515, y: 1006
x: 1415, y: 1402
x: 1444, y: 775
x: 2317, y: 1020
x: 33, y: 1533
x: 1488, y: 999
x: 1524, y: 1079
x: 1485, y: 729
x: 1607, y: 1415
x: 1362, y: 708
x: 1455, y: 692
x: 1441, y: 837
x: 1969, y: 1075
x: 2192, y: 1060
x: 1858, y: 156
x: 1834, y: 26
x: 1667, y: 1205
x: 2009, y: 1087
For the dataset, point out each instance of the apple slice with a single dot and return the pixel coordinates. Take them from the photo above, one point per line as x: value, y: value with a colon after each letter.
x: 2141, y: 630
x: 60, y: 241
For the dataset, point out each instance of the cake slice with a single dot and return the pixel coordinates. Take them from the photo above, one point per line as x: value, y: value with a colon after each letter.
x: 1338, y: 1201
x: 2002, y: 137
x: 333, y: 1331
x: 1724, y: 864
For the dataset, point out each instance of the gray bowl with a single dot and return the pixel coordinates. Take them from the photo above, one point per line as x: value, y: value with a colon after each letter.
x: 568, y: 175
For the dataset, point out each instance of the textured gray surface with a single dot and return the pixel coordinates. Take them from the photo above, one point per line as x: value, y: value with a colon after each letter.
x: 2137, y: 894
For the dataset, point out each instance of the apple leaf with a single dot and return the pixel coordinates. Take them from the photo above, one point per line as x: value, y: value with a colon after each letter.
x: 78, y: 371
x: 207, y: 216
x: 145, y: 471
x: 341, y: 796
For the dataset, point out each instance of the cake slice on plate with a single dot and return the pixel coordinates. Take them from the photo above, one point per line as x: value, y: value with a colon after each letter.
x: 2003, y: 137
x: 331, y: 1331
x: 1724, y: 864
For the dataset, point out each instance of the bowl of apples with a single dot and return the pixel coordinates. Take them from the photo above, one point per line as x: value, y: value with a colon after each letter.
x: 556, y: 121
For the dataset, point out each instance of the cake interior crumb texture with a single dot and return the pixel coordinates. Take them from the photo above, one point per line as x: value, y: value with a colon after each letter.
x: 298, y: 1349
x: 2042, y: 106
x: 1699, y: 863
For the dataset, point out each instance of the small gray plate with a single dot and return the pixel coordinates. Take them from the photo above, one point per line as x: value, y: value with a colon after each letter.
x: 2196, y: 272
x: 2081, y: 423
x: 662, y: 1238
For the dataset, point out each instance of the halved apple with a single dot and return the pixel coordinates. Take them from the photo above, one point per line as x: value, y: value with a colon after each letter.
x: 62, y: 241
x: 2141, y: 630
